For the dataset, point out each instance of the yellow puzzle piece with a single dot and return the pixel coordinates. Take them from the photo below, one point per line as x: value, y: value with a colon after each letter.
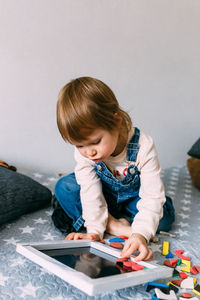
x: 187, y: 266
x: 165, y: 249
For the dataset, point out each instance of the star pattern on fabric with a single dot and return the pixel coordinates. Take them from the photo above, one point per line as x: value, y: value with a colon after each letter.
x: 187, y: 196
x: 39, y: 221
x: 28, y: 290
x: 12, y: 241
x: 181, y: 224
x: 48, y: 212
x: 17, y: 262
x: 185, y: 208
x: 155, y: 247
x: 3, y: 279
x: 45, y: 183
x: 48, y: 236
x: 182, y: 232
x: 186, y: 201
x: 27, y: 229
x: 171, y: 192
x: 184, y: 216
x: 52, y: 178
x: 37, y: 175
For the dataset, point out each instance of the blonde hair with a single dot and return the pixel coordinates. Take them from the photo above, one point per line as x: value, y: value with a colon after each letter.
x: 85, y: 104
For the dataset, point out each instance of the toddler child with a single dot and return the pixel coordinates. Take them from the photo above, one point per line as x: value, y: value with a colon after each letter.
x: 116, y: 187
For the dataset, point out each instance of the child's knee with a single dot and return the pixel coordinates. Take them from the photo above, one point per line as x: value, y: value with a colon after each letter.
x: 66, y: 184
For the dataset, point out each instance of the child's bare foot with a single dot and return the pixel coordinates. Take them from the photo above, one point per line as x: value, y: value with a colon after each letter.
x: 118, y: 226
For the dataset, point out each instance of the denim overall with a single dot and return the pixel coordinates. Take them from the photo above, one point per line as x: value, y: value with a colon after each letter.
x: 121, y: 196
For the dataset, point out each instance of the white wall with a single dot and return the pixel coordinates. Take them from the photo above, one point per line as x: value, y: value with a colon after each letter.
x: 148, y: 51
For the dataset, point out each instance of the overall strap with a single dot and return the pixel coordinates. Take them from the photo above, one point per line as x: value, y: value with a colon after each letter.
x: 133, y: 146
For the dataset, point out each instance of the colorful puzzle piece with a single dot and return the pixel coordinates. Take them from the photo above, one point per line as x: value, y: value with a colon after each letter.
x: 128, y: 263
x: 179, y: 262
x: 187, y: 266
x: 197, y: 268
x: 167, y: 263
x: 161, y: 295
x: 133, y: 265
x: 177, y: 282
x: 136, y: 267
x: 193, y: 270
x: 193, y: 298
x: 123, y: 237
x: 186, y: 295
x: 122, y: 259
x: 172, y: 287
x: 183, y: 275
x: 116, y: 245
x: 179, y: 254
x: 165, y: 249
x: 175, y: 273
x: 169, y: 255
x: 151, y: 285
x: 173, y: 262
x: 196, y: 290
x: 187, y: 283
x: 116, y: 240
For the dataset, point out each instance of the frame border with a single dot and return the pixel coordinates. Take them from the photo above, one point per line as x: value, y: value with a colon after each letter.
x: 91, y: 286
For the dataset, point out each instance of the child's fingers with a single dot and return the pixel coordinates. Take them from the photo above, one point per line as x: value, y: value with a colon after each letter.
x: 94, y: 237
x: 70, y: 236
x: 79, y: 236
x: 150, y: 255
x: 144, y: 253
x: 128, y: 249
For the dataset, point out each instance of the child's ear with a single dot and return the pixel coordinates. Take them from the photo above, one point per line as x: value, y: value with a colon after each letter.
x: 118, y: 119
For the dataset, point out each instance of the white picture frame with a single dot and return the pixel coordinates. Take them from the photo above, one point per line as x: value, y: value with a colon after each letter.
x: 91, y: 286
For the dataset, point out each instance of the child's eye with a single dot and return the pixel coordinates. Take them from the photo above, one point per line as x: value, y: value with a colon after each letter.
x: 79, y: 146
x: 97, y: 142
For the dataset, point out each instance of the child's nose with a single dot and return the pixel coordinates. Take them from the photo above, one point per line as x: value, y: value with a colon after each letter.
x: 92, y: 152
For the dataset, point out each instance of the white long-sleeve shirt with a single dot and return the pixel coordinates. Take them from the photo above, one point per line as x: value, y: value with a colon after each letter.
x: 150, y: 206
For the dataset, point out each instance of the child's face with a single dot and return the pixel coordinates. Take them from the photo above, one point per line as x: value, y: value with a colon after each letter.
x: 99, y: 145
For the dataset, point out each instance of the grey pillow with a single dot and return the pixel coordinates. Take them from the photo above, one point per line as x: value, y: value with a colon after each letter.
x: 19, y: 194
x: 195, y: 150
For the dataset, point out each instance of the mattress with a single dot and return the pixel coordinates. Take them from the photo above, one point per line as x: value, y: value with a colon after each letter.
x: 20, y: 278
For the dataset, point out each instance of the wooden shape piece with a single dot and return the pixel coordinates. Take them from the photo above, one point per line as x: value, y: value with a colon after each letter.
x: 161, y: 295
x: 177, y: 282
x: 187, y: 283
x: 183, y: 275
x: 165, y: 249
x: 116, y: 245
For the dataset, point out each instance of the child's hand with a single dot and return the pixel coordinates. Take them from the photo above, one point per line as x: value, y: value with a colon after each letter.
x: 82, y: 236
x: 134, y: 243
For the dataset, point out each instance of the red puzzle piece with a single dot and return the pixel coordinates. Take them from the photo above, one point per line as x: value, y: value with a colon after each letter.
x: 122, y: 259
x: 183, y: 275
x: 136, y: 267
x: 193, y: 270
x: 179, y: 254
x: 117, y: 245
x: 177, y: 281
x: 197, y: 268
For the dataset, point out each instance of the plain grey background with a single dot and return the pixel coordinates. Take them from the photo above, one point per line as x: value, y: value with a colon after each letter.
x: 147, y: 51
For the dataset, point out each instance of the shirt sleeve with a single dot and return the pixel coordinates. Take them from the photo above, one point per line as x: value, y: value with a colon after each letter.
x: 151, y: 192
x: 94, y: 206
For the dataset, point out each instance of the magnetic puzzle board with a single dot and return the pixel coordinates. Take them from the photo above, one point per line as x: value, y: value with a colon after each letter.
x: 90, y: 266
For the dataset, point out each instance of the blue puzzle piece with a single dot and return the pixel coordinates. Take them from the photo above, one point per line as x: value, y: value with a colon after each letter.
x: 151, y: 285
x: 169, y: 255
x: 115, y: 240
